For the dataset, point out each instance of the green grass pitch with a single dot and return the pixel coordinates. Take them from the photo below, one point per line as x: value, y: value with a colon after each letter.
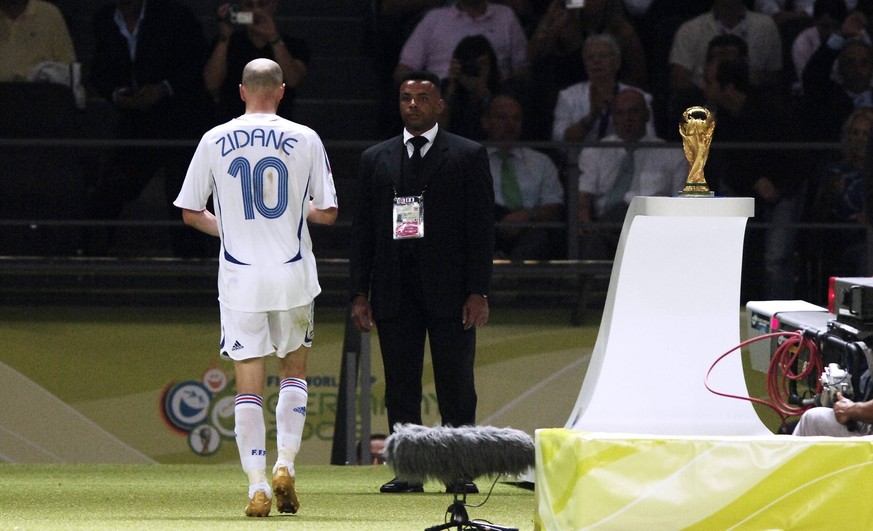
x: 213, y: 497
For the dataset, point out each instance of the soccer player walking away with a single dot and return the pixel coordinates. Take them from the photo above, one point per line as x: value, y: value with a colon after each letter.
x: 267, y: 177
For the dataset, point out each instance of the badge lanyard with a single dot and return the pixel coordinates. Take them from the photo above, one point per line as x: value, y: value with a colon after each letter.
x: 407, y: 216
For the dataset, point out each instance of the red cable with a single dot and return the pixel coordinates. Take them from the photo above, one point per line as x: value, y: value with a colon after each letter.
x: 779, y: 373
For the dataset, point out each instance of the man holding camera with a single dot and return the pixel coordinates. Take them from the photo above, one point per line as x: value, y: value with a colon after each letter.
x: 248, y: 31
x: 847, y: 419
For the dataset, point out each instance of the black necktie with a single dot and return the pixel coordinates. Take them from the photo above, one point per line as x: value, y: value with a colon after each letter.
x: 415, y: 161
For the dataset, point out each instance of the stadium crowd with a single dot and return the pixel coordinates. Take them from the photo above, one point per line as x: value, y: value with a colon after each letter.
x: 771, y: 71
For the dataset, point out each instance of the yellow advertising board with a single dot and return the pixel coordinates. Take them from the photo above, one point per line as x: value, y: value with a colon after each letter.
x: 612, y: 481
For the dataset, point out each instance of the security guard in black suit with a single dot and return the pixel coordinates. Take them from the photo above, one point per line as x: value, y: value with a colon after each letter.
x: 421, y: 260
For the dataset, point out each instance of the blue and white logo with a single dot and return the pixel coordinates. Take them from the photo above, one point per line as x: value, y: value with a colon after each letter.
x: 187, y: 404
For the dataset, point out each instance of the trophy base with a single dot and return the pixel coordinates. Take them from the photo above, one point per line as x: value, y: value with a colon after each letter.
x: 696, y: 190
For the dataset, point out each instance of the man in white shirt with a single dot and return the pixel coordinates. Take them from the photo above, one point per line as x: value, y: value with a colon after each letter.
x: 268, y: 177
x: 611, y: 176
x: 582, y: 111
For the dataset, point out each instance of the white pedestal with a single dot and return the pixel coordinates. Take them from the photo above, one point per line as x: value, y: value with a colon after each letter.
x: 671, y: 310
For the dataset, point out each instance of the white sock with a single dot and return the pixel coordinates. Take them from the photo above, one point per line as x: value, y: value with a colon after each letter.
x: 251, y: 436
x: 290, y: 418
x: 263, y: 485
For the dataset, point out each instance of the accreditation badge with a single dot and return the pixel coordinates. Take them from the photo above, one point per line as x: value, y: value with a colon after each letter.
x: 408, y: 217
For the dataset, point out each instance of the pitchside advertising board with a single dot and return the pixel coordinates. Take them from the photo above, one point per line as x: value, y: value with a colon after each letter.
x: 150, y: 383
x: 198, y: 410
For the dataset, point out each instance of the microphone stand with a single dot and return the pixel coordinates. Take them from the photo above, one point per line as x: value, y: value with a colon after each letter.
x: 459, y: 519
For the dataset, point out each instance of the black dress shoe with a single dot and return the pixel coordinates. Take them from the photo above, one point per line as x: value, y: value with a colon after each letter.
x: 462, y: 487
x: 397, y: 486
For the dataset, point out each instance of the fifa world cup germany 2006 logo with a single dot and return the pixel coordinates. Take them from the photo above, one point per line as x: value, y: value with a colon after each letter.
x: 696, y: 130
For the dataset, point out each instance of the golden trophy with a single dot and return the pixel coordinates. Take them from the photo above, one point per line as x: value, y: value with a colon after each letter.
x: 696, y: 130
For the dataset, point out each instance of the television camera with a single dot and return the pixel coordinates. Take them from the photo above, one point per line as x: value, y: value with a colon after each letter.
x: 840, y: 339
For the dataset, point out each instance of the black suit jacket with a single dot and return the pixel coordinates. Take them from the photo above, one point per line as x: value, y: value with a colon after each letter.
x: 170, y: 46
x: 455, y: 255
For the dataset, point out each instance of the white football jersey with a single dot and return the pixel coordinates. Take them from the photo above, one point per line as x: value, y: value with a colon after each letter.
x: 262, y: 170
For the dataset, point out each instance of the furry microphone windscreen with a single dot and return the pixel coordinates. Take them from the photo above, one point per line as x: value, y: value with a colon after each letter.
x: 446, y: 454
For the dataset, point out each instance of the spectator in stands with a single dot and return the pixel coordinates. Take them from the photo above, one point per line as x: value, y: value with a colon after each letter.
x: 431, y: 44
x: 720, y: 48
x: 560, y: 35
x: 555, y: 48
x: 745, y: 114
x: 526, y: 186
x: 237, y: 44
x: 31, y: 32
x: 688, y: 53
x: 148, y: 61
x: 827, y: 17
x: 473, y: 78
x: 582, y: 112
x: 610, y: 176
x: 839, y: 198
x: 832, y: 93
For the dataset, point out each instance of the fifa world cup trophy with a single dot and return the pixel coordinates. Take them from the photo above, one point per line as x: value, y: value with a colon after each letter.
x: 696, y: 130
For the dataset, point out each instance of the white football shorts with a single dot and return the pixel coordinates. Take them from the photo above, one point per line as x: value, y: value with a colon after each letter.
x: 246, y: 335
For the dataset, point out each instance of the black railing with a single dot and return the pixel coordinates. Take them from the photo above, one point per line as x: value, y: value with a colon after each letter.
x: 147, y: 229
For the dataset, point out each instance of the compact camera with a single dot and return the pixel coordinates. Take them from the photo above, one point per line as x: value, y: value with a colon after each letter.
x: 240, y: 17
x: 574, y: 4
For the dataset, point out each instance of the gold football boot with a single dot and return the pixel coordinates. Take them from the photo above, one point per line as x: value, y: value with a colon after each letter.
x: 259, y: 505
x: 283, y: 488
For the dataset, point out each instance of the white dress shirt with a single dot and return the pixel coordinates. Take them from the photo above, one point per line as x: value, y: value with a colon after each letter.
x: 657, y: 171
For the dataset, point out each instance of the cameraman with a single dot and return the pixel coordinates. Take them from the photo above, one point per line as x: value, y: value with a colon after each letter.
x: 847, y: 419
x: 248, y: 31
